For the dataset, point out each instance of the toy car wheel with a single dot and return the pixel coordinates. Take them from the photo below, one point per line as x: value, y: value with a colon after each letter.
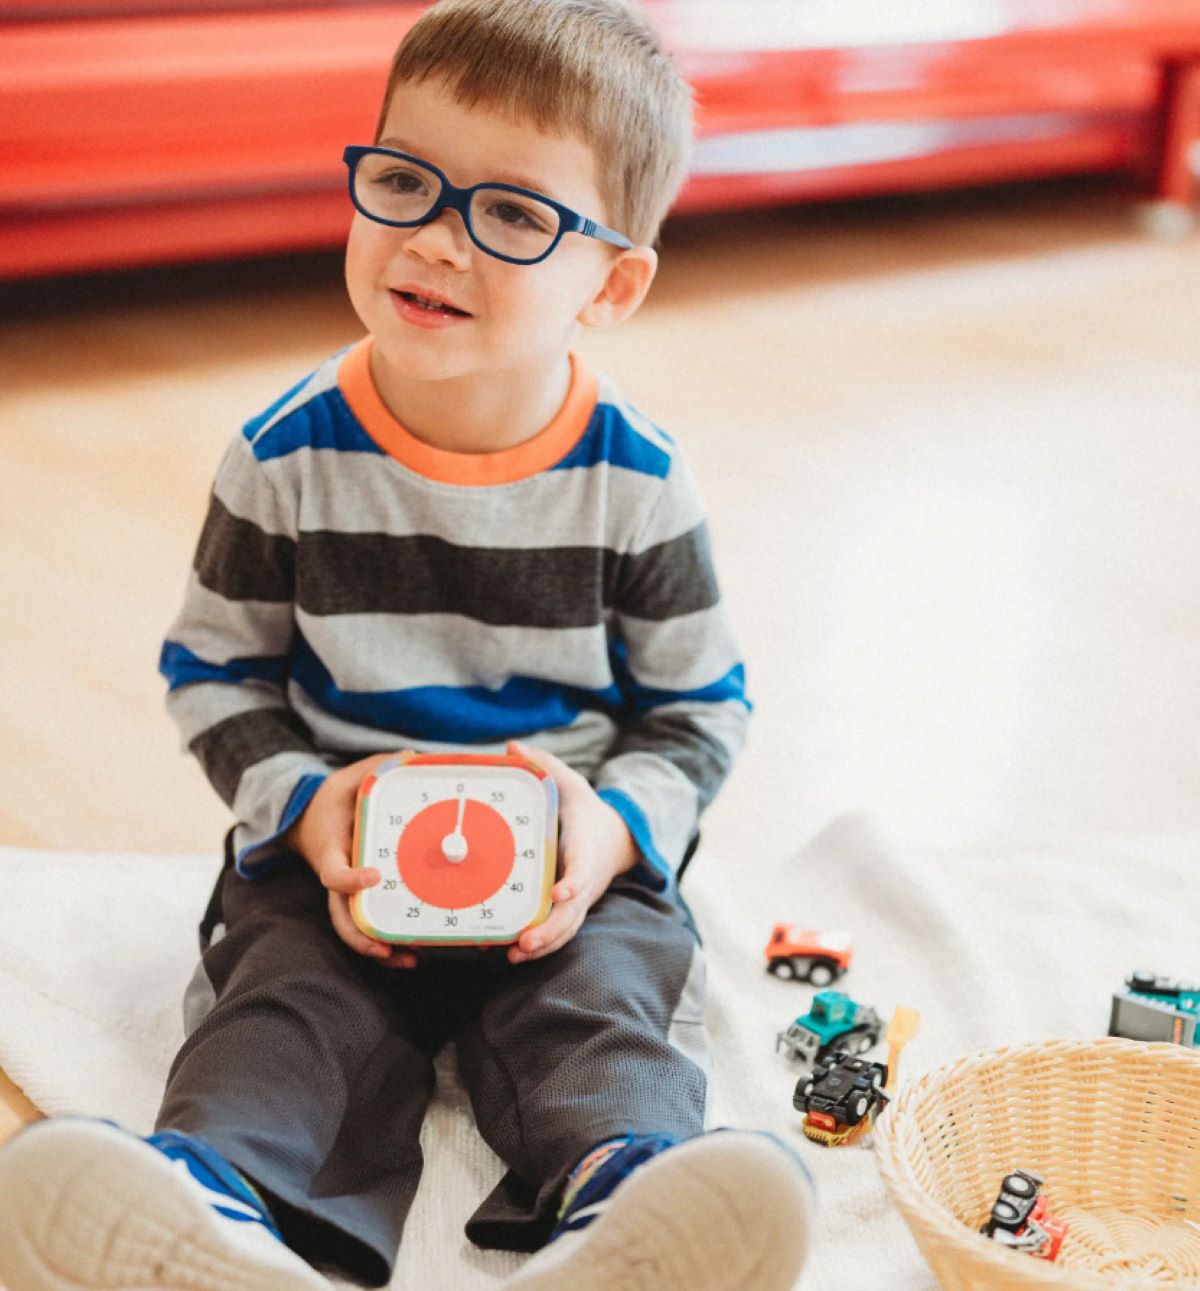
x: 863, y: 1044
x: 783, y: 968
x: 859, y: 1107
x: 1005, y: 1214
x: 821, y: 973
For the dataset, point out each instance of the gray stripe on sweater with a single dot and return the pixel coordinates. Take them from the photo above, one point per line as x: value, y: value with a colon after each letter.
x: 396, y: 651
x: 601, y: 505
x: 219, y: 630
x: 683, y: 653
x: 199, y: 705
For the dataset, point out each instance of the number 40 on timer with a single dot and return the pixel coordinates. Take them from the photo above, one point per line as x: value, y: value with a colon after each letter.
x: 466, y: 844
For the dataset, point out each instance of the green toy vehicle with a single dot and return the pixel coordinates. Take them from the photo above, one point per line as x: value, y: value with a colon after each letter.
x: 835, y: 1021
x: 1156, y: 1008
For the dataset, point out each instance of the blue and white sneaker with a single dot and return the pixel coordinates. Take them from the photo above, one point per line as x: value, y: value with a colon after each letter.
x: 86, y: 1206
x: 727, y: 1211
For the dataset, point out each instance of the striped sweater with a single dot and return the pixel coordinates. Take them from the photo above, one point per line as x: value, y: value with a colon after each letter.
x: 356, y: 590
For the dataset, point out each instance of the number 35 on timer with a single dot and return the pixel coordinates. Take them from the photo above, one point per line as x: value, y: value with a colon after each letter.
x: 466, y: 844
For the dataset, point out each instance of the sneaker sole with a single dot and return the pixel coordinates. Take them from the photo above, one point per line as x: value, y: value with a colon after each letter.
x: 723, y: 1212
x: 88, y: 1207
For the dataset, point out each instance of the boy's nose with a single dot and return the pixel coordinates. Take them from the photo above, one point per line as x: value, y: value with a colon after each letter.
x: 443, y: 239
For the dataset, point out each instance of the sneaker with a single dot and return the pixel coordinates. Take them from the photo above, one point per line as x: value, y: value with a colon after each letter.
x: 727, y: 1211
x: 86, y: 1206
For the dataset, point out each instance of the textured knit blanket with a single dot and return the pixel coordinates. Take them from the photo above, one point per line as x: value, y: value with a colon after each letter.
x: 993, y: 949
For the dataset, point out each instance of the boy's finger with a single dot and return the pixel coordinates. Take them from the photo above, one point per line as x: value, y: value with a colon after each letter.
x: 563, y: 916
x: 569, y: 866
x: 349, y: 931
x: 347, y: 880
x: 563, y: 776
x: 570, y: 887
x: 399, y: 959
x: 556, y: 941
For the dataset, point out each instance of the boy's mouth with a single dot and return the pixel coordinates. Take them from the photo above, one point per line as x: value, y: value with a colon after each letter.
x: 431, y: 304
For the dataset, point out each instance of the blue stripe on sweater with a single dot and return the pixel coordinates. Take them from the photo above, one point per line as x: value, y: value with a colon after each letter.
x: 326, y: 422
x: 640, y: 699
x: 448, y: 714
x: 653, y: 869
x: 611, y: 438
x: 259, y: 858
x: 183, y: 668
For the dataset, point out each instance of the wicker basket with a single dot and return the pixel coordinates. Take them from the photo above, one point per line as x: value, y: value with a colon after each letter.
x: 1113, y: 1126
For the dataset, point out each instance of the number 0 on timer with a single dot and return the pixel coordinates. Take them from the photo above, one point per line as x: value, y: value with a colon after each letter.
x: 466, y: 844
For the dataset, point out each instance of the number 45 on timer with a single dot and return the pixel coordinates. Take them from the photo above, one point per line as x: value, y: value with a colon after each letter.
x: 466, y: 844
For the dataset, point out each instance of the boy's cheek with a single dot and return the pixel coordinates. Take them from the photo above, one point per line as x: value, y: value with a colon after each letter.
x: 367, y: 255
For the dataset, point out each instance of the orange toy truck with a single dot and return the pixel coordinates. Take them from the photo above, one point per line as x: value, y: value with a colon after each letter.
x: 807, y: 955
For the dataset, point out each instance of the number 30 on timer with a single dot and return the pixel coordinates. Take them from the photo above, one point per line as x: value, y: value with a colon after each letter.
x: 466, y: 844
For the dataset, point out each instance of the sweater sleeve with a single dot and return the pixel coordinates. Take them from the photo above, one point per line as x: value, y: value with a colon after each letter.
x: 683, y: 682
x: 226, y: 656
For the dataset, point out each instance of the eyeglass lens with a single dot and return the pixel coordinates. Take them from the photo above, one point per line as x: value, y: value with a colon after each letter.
x: 403, y: 192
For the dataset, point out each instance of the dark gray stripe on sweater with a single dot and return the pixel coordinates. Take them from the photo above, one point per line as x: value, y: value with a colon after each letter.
x: 239, y: 561
x: 370, y: 573
x: 671, y: 578
x: 686, y: 745
x: 228, y: 749
x: 362, y: 573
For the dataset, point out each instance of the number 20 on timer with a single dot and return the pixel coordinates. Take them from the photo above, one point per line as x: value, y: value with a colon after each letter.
x: 466, y: 844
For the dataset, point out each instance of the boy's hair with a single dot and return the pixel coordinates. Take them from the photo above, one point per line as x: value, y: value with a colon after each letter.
x: 592, y: 68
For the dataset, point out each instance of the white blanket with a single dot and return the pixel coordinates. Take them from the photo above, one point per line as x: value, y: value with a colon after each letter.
x: 95, y: 951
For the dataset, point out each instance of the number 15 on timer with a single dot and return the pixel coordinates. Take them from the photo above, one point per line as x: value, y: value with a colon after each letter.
x: 466, y: 844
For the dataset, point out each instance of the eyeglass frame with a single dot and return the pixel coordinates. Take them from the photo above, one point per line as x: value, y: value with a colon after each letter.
x: 454, y: 198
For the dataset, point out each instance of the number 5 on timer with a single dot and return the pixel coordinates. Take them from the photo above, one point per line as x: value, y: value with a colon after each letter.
x: 466, y: 844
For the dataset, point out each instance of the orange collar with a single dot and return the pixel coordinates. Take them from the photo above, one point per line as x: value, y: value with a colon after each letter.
x: 551, y: 444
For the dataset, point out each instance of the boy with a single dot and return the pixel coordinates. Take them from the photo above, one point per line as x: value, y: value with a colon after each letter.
x: 452, y: 535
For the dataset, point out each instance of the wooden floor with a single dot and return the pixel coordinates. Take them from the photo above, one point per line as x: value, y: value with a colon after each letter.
x: 950, y: 447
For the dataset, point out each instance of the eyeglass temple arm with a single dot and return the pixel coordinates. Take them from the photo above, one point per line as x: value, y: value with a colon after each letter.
x: 590, y: 229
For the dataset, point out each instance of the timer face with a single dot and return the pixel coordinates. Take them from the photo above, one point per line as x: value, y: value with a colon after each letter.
x: 466, y: 845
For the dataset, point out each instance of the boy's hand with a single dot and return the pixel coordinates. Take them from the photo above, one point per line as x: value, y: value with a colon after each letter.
x: 323, y: 836
x: 594, y: 846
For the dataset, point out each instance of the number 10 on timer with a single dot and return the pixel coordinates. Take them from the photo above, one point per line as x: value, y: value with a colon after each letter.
x: 466, y: 844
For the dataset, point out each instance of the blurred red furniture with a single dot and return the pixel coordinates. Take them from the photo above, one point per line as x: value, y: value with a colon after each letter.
x: 137, y: 132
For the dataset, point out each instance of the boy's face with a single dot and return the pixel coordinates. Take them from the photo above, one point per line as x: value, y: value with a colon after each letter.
x: 517, y: 319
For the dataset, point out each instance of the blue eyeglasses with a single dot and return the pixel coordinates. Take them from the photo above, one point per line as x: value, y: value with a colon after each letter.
x: 510, y: 223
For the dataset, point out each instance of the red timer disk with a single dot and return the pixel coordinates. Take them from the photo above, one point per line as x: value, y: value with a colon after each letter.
x: 488, y: 861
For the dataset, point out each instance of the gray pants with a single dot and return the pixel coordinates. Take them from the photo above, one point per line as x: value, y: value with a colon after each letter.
x: 310, y: 1067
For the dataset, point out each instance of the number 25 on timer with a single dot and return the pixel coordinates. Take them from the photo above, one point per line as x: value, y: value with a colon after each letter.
x: 466, y: 844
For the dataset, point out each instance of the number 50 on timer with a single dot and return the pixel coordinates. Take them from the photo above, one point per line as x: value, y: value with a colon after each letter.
x: 466, y: 844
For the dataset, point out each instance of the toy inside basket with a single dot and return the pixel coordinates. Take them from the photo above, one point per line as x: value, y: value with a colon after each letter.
x: 1113, y: 1126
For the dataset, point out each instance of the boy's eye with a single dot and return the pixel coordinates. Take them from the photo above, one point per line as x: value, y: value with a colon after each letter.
x: 398, y: 179
x: 516, y: 216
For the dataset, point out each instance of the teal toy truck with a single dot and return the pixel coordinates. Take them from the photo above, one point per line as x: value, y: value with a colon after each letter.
x: 835, y: 1021
x: 1156, y: 1008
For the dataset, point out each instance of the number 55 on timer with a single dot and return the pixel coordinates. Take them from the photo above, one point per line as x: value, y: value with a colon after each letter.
x: 466, y: 844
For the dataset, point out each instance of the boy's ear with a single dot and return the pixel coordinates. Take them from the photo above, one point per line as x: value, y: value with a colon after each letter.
x: 624, y: 288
